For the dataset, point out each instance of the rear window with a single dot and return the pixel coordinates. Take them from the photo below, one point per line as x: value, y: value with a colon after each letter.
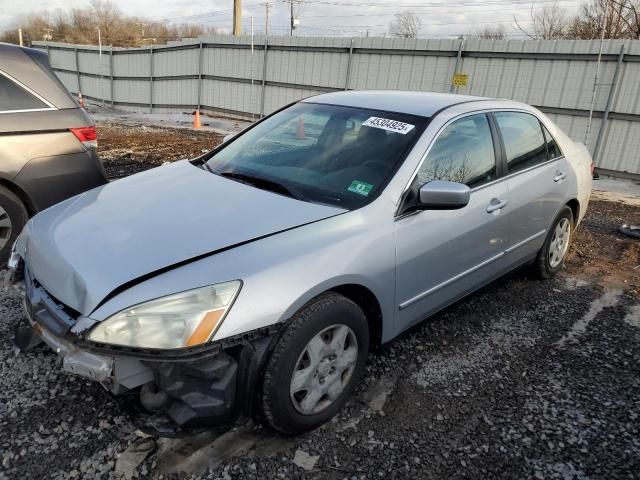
x: 14, y: 97
x: 523, y: 140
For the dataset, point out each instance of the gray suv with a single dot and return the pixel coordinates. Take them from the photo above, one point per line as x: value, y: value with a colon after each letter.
x: 47, y: 142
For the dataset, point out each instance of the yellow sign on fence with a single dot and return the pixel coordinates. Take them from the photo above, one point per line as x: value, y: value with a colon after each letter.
x: 460, y: 79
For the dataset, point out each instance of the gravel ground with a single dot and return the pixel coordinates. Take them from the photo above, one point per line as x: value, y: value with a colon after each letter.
x: 524, y: 379
x: 129, y: 149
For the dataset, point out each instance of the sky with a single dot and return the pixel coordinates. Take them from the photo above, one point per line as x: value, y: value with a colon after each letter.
x: 440, y: 18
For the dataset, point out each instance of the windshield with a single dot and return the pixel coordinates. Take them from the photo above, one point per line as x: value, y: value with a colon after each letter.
x: 328, y: 154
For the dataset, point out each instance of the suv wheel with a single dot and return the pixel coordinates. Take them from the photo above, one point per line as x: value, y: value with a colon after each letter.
x: 315, y: 365
x: 13, y: 216
x: 554, y: 251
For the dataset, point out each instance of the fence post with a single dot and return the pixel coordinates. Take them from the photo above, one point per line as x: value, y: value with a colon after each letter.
x: 111, y: 76
x: 346, y: 83
x: 151, y: 78
x: 78, y: 70
x: 455, y: 68
x: 200, y: 76
x: 264, y: 77
x: 605, y: 117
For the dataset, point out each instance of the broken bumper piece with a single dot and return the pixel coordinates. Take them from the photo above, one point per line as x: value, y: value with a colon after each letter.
x: 209, y: 385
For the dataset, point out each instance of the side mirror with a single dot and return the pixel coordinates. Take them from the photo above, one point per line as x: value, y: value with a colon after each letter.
x: 443, y: 195
x: 228, y: 137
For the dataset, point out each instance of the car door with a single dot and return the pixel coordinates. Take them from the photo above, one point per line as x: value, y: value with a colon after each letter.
x: 536, y: 176
x: 443, y: 254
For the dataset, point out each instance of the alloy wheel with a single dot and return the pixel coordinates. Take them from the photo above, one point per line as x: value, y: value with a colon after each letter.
x: 559, y: 242
x: 5, y: 227
x: 323, y: 369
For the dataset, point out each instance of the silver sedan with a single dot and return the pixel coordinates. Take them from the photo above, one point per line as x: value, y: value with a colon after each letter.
x: 253, y: 281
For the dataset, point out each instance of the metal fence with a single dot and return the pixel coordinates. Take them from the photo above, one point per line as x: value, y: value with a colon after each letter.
x: 227, y: 75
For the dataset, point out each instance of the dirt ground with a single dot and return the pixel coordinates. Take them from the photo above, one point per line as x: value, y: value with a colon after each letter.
x: 126, y: 150
x: 600, y: 254
x: 525, y: 379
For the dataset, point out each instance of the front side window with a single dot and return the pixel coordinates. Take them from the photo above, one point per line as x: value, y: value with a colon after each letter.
x: 523, y: 140
x: 329, y: 154
x: 14, y: 97
x: 462, y: 153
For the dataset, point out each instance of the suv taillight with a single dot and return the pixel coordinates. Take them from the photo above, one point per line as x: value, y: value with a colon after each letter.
x: 87, y: 135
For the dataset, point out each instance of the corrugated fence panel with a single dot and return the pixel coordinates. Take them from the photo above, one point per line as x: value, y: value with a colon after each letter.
x: 96, y: 87
x: 175, y: 92
x: 277, y: 97
x: 323, y: 69
x: 65, y: 59
x: 232, y: 62
x: 131, y: 65
x: 175, y: 62
x: 621, y: 149
x: 233, y: 97
x: 628, y: 95
x: 557, y: 76
x: 69, y: 80
x: 131, y: 91
x: 91, y: 62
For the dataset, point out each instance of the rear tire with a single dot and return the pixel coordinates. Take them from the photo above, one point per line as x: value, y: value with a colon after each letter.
x: 315, y: 365
x: 13, y: 216
x: 553, y: 253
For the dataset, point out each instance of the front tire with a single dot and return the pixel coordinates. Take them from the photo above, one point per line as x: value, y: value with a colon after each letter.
x: 13, y: 216
x: 315, y: 365
x: 553, y: 253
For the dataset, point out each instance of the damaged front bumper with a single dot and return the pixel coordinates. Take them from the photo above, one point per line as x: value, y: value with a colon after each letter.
x: 208, y: 385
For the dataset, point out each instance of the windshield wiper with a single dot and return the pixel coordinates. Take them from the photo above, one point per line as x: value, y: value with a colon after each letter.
x: 265, y: 184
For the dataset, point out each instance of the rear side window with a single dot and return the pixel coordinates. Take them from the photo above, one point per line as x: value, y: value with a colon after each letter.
x: 462, y: 153
x: 524, y: 142
x: 552, y: 146
x: 14, y: 97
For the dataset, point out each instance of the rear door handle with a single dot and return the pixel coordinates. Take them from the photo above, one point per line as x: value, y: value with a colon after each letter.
x: 496, y: 204
x: 559, y: 176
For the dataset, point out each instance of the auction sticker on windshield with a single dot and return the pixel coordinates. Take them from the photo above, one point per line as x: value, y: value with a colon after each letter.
x: 388, y: 124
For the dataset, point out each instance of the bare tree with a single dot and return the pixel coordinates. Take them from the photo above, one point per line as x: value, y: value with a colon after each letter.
x: 547, y: 23
x: 621, y: 19
x: 490, y: 33
x: 78, y: 25
x: 406, y: 25
x: 107, y: 17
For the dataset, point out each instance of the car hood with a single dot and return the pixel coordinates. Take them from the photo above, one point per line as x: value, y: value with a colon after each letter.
x: 86, y: 247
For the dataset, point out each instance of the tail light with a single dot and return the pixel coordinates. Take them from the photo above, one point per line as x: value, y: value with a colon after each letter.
x: 87, y: 136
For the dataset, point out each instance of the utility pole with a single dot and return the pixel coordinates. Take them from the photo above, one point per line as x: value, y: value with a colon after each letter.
x: 20, y: 37
x: 291, y: 30
x: 237, y: 17
x: 266, y: 18
x: 141, y: 25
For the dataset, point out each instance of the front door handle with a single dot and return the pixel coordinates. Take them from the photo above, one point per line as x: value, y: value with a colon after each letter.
x: 559, y: 176
x: 496, y: 204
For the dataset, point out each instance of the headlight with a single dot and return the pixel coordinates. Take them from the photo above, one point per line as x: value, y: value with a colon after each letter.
x: 182, y: 320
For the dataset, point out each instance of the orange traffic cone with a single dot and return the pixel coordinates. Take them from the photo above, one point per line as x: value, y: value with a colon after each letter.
x: 196, y: 120
x: 80, y: 100
x: 300, y: 128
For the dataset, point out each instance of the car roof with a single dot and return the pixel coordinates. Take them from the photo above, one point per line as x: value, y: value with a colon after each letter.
x: 424, y: 104
x: 31, y: 68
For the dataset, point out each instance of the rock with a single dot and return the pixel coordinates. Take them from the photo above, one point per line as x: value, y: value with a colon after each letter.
x: 304, y: 460
x: 133, y: 456
x: 377, y: 395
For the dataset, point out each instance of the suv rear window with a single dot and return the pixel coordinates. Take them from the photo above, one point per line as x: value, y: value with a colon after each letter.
x: 14, y: 97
